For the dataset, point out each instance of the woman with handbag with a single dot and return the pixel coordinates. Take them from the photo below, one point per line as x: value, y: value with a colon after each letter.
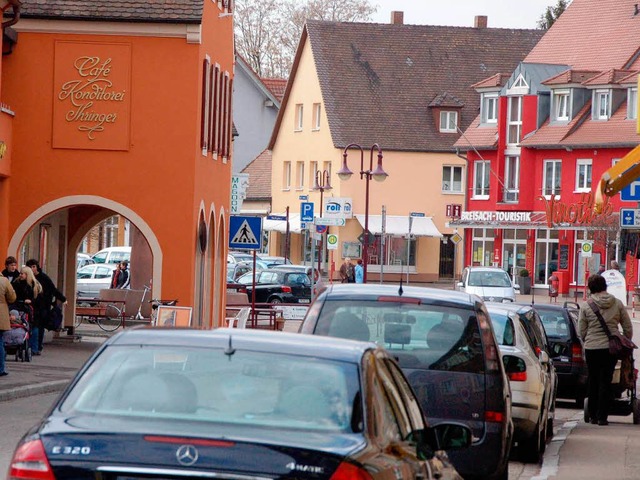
x: 600, y: 361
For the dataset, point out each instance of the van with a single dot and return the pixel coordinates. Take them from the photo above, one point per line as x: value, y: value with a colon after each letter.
x: 112, y: 255
x: 492, y: 284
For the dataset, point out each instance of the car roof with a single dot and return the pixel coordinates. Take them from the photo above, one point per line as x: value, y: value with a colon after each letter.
x: 370, y: 290
x: 507, y: 307
x: 486, y: 269
x: 115, y: 249
x: 250, y: 339
x: 549, y: 306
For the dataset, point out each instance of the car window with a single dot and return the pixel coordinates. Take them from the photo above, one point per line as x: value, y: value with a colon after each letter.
x: 555, y: 324
x: 394, y: 400
x: 411, y: 403
x: 503, y: 328
x: 489, y: 279
x: 117, y: 257
x: 100, y: 257
x: 246, y: 279
x: 423, y: 336
x: 298, y: 279
x: 103, y: 272
x: 268, y: 277
x: 85, y: 272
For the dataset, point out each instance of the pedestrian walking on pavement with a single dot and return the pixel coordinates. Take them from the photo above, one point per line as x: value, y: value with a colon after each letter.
x: 359, y: 272
x: 346, y: 271
x: 7, y: 296
x: 28, y: 289
x: 600, y: 363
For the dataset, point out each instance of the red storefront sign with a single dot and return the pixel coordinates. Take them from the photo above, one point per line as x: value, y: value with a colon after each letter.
x: 581, y: 212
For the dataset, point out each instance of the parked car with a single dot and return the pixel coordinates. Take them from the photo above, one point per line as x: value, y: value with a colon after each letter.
x: 112, y: 255
x: 90, y: 279
x: 561, y: 326
x: 83, y: 259
x: 226, y: 403
x: 530, y: 377
x: 445, y: 345
x: 235, y: 257
x: 278, y: 286
x: 271, y: 260
x: 236, y: 270
x: 492, y: 284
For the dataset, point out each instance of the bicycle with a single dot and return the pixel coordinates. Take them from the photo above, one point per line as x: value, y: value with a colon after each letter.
x: 106, y: 314
x: 155, y: 303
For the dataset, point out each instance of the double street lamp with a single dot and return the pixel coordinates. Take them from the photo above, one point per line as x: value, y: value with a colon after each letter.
x: 322, y: 183
x: 378, y: 174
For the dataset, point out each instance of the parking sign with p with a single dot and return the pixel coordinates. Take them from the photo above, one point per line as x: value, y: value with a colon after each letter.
x: 306, y: 212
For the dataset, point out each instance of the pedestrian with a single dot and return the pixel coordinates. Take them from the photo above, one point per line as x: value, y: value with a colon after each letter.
x: 124, y: 279
x: 44, y: 303
x: 346, y: 271
x: 7, y: 296
x: 115, y: 276
x: 28, y: 289
x: 615, y: 265
x: 601, y: 270
x: 11, y: 269
x: 600, y: 363
x: 359, y: 272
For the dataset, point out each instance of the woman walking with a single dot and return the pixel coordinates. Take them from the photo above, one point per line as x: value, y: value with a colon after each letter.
x: 600, y: 363
x: 28, y: 294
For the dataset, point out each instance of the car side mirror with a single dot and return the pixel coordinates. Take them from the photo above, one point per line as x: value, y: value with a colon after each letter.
x: 544, y: 357
x: 516, y: 287
x: 452, y: 436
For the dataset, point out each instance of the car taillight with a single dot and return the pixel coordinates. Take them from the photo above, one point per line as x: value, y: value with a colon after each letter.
x: 286, y: 289
x: 491, y: 357
x: 538, y: 351
x: 348, y: 471
x: 496, y: 417
x: 30, y: 462
x: 515, y: 368
x: 576, y: 353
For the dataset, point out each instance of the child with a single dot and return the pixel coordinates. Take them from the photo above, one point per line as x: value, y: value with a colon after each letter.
x: 14, y: 318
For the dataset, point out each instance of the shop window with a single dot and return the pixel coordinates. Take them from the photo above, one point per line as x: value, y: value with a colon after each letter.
x: 481, y: 171
x: 546, y: 259
x: 583, y: 175
x: 451, y: 179
x: 551, y: 177
x: 482, y: 247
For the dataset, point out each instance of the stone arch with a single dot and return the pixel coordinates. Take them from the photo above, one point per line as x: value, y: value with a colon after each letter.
x: 202, y: 244
x: 211, y: 304
x: 220, y: 279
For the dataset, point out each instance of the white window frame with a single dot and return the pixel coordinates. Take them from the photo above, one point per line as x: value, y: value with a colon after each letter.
x: 483, y: 192
x: 601, y: 97
x: 517, y: 122
x: 489, y: 114
x: 632, y: 103
x: 299, y: 175
x: 317, y: 110
x: 562, y: 105
x: 313, y: 168
x: 299, y: 117
x: 286, y: 175
x: 451, y: 179
x: 511, y: 181
x: 556, y: 172
x: 448, y: 115
x: 587, y: 163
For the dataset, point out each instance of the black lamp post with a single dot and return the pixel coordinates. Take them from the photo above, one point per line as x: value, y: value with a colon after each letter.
x: 378, y: 174
x: 322, y: 183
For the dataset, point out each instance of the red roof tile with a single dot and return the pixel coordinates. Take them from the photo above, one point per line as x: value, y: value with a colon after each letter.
x: 446, y: 100
x: 609, y: 77
x: 277, y: 86
x: 259, y: 171
x: 571, y: 76
x: 630, y: 79
x: 479, y: 137
x: 497, y: 80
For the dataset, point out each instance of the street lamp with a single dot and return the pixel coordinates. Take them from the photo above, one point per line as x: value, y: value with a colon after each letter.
x: 322, y: 183
x: 378, y: 174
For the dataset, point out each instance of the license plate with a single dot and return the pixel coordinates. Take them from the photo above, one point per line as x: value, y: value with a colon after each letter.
x: 304, y: 301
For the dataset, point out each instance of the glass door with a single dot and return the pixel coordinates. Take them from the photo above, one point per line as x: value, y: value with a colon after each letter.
x: 514, y: 258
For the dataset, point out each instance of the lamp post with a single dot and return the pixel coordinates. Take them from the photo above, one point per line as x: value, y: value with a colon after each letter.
x: 322, y: 183
x: 378, y: 174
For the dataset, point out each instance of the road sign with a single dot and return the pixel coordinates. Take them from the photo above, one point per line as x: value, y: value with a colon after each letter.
x: 456, y: 238
x: 303, y: 197
x: 454, y: 210
x: 587, y: 249
x: 277, y: 217
x: 321, y: 228
x: 245, y: 232
x: 417, y: 214
x: 303, y: 225
x: 330, y: 221
x: 306, y: 211
x: 630, y: 218
x: 631, y: 193
x: 332, y: 241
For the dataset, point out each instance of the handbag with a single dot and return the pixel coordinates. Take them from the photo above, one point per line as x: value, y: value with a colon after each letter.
x: 619, y: 346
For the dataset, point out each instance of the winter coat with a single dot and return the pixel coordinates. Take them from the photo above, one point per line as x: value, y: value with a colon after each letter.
x: 7, y: 296
x: 614, y: 314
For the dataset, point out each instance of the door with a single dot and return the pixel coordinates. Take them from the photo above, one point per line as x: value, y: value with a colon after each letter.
x: 514, y: 258
x: 447, y: 256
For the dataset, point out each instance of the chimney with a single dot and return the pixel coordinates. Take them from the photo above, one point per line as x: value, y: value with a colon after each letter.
x: 480, y: 21
x: 397, y: 18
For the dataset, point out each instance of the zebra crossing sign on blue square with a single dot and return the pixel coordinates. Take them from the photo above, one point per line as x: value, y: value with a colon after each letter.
x: 245, y: 232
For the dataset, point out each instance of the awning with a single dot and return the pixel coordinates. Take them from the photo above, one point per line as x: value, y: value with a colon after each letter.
x: 399, y: 225
x: 281, y: 225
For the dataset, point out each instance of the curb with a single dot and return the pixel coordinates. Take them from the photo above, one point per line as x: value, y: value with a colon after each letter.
x: 29, y: 390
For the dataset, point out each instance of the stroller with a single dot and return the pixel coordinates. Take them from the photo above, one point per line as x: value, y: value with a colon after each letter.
x: 16, y: 340
x: 623, y: 385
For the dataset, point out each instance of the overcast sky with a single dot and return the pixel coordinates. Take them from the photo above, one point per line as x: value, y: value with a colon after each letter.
x: 501, y: 13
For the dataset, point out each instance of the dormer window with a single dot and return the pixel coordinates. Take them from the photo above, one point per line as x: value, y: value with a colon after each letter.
x: 489, y: 108
x: 448, y: 121
x: 632, y: 104
x: 561, y: 100
x: 601, y: 104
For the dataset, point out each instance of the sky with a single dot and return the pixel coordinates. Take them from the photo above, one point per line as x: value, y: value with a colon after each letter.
x: 501, y: 13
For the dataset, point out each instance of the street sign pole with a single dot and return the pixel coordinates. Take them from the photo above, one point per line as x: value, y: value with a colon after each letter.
x: 409, y: 246
x: 381, y: 256
x: 287, y: 239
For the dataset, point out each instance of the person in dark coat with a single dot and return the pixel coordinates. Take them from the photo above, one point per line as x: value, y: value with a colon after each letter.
x: 11, y: 269
x: 44, y: 302
x: 7, y: 296
x: 28, y: 289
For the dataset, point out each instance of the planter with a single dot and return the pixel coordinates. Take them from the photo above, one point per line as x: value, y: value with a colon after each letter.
x: 525, y: 285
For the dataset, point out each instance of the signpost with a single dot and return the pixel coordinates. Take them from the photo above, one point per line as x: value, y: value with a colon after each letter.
x: 306, y: 212
x: 629, y: 218
x: 281, y: 218
x: 332, y: 241
x: 330, y: 221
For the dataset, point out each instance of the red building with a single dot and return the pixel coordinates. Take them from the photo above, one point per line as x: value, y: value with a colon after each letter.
x: 544, y: 136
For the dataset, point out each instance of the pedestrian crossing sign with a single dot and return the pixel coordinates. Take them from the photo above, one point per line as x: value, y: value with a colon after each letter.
x: 245, y: 232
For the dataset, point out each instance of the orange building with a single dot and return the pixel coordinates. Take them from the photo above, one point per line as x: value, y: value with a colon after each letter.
x: 120, y: 108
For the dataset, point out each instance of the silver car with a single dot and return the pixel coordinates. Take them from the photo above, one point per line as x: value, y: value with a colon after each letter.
x: 492, y: 284
x: 90, y: 279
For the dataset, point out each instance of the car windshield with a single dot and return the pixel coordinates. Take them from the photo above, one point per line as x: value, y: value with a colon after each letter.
x: 420, y: 336
x: 206, y: 385
x: 489, y: 279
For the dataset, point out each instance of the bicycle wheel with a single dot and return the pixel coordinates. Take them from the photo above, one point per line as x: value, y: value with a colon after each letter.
x: 77, y: 321
x: 112, y: 319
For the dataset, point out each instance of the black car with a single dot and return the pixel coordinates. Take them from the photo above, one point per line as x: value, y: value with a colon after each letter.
x: 445, y: 344
x: 236, y: 404
x: 278, y: 286
x: 567, y: 353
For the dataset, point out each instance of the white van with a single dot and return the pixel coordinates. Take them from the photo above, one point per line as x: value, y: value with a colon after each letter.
x: 112, y: 255
x: 491, y: 283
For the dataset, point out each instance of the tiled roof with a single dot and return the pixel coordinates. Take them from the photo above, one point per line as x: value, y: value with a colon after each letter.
x: 630, y: 79
x: 259, y: 171
x: 276, y: 86
x: 446, y: 100
x: 609, y: 77
x: 591, y: 34
x: 169, y: 11
x: 479, y: 137
x: 497, y: 80
x: 378, y: 80
x: 571, y: 76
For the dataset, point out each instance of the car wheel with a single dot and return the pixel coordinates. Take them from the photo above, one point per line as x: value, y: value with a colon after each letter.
x: 275, y: 300
x: 635, y: 407
x: 532, y: 448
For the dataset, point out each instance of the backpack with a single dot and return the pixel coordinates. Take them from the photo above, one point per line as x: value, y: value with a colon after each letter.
x: 54, y: 319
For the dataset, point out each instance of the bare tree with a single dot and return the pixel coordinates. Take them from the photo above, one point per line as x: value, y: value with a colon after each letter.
x: 268, y: 31
x: 551, y: 14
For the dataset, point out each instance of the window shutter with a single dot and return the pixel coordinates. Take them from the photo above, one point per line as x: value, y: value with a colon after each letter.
x: 204, y: 119
x: 212, y: 106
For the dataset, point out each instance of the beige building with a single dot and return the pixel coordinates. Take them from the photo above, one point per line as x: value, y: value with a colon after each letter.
x: 406, y: 89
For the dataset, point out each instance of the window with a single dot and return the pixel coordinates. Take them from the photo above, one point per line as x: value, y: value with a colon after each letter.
x: 300, y: 175
x: 452, y: 179
x: 546, y: 255
x: 448, y: 122
x: 286, y: 176
x: 514, y: 121
x: 481, y: 171
x: 482, y: 248
x: 632, y: 104
x: 601, y: 105
x: 490, y: 108
x: 511, y: 179
x: 316, y: 116
x: 327, y: 167
x: 561, y: 105
x: 551, y: 177
x: 583, y: 176
x: 299, y: 112
x: 313, y: 168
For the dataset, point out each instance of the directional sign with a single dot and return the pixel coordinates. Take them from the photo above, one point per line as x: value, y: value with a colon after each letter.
x: 245, y: 232
x: 332, y: 241
x: 306, y: 211
x: 330, y: 221
x: 417, y: 214
x: 630, y: 218
x: 303, y: 197
x: 631, y: 193
x: 282, y: 218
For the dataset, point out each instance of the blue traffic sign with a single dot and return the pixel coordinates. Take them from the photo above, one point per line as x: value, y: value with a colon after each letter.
x: 306, y: 211
x: 282, y: 218
x: 631, y: 193
x: 321, y: 228
x: 245, y: 232
x: 417, y: 214
x: 303, y: 197
x: 629, y: 217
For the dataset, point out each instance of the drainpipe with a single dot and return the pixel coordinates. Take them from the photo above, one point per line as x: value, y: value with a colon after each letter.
x: 466, y: 204
x: 15, y: 4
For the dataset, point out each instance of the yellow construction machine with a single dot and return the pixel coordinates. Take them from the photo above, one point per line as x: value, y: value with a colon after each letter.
x: 626, y: 171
